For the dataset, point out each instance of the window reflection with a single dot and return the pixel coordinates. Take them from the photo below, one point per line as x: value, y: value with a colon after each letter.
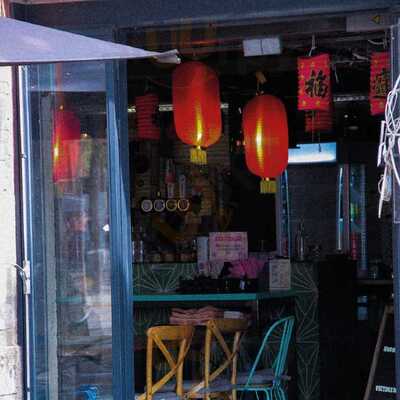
x: 68, y: 119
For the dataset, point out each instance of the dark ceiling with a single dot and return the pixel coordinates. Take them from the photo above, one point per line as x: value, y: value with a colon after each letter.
x: 221, y: 48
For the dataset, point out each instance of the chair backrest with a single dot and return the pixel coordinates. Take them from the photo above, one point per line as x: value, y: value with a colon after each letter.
x: 281, y: 329
x: 217, y: 330
x: 166, y: 338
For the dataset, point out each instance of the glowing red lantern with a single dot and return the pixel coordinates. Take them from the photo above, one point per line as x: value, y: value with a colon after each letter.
x: 266, y: 139
x: 197, y: 107
x: 314, y: 83
x: 379, y: 82
x: 146, y: 117
x: 66, y: 145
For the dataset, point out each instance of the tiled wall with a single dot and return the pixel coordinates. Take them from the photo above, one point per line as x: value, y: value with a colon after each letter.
x: 312, y: 198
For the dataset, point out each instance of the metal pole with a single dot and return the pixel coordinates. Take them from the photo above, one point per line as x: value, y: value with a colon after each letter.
x: 395, y: 62
x: 25, y: 273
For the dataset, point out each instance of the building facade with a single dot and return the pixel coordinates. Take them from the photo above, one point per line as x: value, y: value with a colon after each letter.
x: 11, y: 371
x: 34, y: 375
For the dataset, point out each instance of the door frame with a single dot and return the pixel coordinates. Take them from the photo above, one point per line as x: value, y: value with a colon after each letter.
x: 120, y: 230
x: 120, y: 222
x: 395, y: 68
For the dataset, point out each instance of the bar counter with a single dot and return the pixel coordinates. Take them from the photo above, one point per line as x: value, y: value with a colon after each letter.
x: 225, y: 297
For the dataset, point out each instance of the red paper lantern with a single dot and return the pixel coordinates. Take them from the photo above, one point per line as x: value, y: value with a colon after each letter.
x: 66, y: 145
x: 146, y: 113
x: 266, y: 140
x: 318, y: 121
x: 197, y: 107
x: 379, y: 82
x: 314, y: 83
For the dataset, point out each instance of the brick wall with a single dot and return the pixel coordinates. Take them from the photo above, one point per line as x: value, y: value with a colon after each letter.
x: 10, y: 351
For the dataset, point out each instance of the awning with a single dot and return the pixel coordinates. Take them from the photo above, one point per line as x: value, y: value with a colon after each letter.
x: 24, y: 43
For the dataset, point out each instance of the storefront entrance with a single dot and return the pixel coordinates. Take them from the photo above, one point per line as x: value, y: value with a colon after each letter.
x: 79, y: 209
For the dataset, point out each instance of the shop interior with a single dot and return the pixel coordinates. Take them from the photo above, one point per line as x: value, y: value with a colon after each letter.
x: 322, y: 214
x: 211, y: 240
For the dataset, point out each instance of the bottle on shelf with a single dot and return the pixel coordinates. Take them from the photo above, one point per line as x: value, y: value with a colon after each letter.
x: 138, y: 247
x: 171, y: 203
x: 183, y: 203
x: 300, y: 242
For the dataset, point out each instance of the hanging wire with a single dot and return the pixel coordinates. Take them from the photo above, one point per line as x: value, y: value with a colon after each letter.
x: 319, y: 142
x: 313, y: 46
x: 158, y: 83
x: 386, y: 40
x: 312, y: 125
x: 335, y: 72
x: 261, y: 79
x: 389, y: 146
x: 380, y: 42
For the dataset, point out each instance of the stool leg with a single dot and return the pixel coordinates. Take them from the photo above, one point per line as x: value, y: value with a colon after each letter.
x: 283, y: 394
x: 268, y: 395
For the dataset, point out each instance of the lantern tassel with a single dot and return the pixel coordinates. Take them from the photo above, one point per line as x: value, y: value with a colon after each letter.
x: 198, y: 156
x: 267, y: 186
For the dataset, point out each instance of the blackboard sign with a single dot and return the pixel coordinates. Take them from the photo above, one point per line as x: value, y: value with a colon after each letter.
x: 382, y: 380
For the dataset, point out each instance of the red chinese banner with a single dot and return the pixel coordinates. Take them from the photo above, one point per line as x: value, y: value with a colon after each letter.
x: 379, y: 82
x: 314, y: 83
x: 318, y: 121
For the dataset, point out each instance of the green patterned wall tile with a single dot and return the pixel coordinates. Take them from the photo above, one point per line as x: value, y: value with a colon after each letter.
x: 164, y: 278
x: 307, y: 331
x: 160, y: 278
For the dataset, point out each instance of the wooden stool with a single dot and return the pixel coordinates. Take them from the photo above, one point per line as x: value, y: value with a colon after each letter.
x: 162, y: 338
x: 213, y: 385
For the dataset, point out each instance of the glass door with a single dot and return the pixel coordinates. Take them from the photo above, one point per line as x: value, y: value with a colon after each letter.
x: 73, y: 144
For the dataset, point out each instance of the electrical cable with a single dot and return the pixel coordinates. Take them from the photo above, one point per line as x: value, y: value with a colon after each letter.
x: 389, y: 146
x: 377, y: 43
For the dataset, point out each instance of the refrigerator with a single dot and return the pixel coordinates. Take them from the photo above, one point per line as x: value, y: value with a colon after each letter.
x: 351, y: 223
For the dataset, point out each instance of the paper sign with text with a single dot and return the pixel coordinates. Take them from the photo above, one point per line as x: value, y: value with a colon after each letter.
x: 279, y: 274
x: 228, y: 246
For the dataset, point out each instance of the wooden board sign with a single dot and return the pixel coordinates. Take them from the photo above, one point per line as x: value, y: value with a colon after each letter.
x: 382, y: 381
x: 228, y: 246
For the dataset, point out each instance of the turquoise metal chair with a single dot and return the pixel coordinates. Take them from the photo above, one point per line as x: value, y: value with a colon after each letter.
x: 88, y: 392
x: 269, y: 381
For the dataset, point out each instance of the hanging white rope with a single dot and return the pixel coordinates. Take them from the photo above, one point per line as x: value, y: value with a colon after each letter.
x: 389, y: 146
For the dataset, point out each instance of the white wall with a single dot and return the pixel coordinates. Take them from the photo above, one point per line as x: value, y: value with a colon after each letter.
x: 10, y: 352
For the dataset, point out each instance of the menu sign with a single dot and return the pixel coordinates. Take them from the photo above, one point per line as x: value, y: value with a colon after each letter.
x: 382, y: 381
x: 228, y: 246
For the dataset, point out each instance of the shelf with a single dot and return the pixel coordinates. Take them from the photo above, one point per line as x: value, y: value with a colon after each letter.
x: 375, y: 282
x: 164, y: 264
x: 175, y: 297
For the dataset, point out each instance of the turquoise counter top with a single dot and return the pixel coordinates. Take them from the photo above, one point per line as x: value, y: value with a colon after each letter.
x: 175, y: 297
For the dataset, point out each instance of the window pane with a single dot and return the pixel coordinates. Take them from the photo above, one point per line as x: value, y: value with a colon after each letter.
x: 71, y: 265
